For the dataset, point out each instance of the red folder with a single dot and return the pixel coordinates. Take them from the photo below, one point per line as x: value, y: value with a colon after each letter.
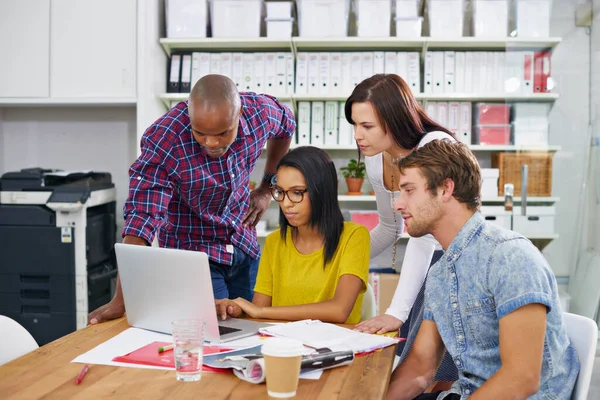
x: 538, y: 86
x: 546, y: 71
x: 149, y: 355
x: 528, y: 71
x: 542, y: 71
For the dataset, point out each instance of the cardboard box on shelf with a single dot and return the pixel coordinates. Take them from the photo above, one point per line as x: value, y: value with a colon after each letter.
x: 384, y: 286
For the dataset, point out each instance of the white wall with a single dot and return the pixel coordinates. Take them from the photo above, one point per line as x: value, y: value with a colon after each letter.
x: 152, y: 62
x: 569, y: 126
x: 594, y: 192
x: 102, y: 139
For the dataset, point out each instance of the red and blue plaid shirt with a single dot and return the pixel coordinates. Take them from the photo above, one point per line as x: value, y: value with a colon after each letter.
x: 193, y: 201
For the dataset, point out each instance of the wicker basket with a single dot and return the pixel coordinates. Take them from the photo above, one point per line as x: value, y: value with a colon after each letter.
x: 539, y: 181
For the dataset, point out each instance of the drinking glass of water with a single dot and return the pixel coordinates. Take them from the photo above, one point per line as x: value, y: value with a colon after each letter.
x: 188, y: 338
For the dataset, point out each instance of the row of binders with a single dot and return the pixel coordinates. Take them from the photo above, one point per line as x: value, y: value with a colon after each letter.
x: 522, y: 72
x: 337, y: 73
x: 454, y: 116
x: 526, y: 124
x: 322, y: 73
x: 323, y: 123
x: 271, y: 73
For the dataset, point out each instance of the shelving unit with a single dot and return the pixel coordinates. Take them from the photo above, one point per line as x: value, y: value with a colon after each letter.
x: 245, y: 44
x: 473, y: 147
x: 295, y: 44
x: 167, y: 98
x: 475, y: 97
x: 421, y: 45
x: 474, y: 43
x: 66, y: 102
x: 530, y: 199
x: 512, y: 147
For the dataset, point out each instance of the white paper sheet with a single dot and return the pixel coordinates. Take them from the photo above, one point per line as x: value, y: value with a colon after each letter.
x: 123, y: 343
x: 317, y: 334
x: 134, y: 338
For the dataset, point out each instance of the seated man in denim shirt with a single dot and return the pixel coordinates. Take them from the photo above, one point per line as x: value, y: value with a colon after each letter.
x: 491, y: 300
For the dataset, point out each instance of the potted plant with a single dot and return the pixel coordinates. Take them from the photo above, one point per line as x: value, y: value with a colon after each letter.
x: 354, y: 173
x: 252, y: 185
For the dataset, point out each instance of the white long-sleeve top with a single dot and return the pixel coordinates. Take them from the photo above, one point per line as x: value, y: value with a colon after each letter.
x: 383, y: 237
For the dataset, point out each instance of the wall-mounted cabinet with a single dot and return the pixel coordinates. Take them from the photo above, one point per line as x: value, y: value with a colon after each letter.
x: 25, y: 48
x: 93, y: 48
x: 65, y: 51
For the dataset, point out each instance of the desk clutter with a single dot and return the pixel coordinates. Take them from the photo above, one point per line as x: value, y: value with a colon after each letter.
x: 362, y: 18
x: 323, y: 346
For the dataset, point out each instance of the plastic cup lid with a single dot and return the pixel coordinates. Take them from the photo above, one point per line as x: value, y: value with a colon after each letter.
x: 282, y: 347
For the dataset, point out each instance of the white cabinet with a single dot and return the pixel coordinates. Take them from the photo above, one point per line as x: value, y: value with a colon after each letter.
x: 93, y: 48
x: 24, y: 45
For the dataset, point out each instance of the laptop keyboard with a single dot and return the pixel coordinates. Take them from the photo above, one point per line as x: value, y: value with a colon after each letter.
x: 223, y: 330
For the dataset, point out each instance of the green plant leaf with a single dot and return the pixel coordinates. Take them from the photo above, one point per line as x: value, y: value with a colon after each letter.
x: 354, y: 169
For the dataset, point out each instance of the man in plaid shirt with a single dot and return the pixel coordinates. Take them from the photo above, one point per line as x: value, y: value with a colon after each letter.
x: 190, y: 185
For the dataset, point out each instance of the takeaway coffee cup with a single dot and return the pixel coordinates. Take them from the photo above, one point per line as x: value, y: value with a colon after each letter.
x: 282, y: 366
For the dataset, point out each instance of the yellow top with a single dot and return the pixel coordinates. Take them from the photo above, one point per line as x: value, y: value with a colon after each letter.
x: 292, y: 278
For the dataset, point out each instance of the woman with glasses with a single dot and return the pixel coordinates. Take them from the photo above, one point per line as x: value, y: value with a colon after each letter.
x: 316, y: 265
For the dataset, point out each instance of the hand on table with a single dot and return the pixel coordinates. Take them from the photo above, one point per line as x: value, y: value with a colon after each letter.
x: 111, y: 310
x: 380, y: 324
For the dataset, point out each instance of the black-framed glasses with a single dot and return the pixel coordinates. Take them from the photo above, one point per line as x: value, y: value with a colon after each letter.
x: 295, y: 195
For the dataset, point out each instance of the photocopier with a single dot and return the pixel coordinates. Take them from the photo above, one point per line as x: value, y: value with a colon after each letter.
x: 57, y: 235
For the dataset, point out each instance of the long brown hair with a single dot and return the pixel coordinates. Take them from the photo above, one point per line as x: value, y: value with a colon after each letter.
x: 396, y: 108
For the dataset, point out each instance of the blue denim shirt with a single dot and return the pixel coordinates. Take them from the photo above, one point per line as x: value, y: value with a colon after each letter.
x: 486, y: 273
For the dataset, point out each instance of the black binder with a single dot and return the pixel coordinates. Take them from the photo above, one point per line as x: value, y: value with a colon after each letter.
x: 174, y: 75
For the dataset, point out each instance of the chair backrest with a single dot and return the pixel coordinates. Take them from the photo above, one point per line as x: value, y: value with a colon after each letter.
x: 369, y: 306
x: 583, y: 333
x: 16, y: 340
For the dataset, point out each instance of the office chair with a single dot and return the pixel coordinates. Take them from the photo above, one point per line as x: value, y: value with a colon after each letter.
x: 16, y: 340
x: 583, y: 333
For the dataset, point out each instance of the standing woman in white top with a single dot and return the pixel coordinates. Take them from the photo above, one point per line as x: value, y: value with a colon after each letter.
x: 388, y: 124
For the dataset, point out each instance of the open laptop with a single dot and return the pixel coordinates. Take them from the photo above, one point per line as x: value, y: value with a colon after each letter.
x: 161, y: 285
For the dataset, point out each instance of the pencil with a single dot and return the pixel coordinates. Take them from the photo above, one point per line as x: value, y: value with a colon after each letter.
x: 82, y: 373
x: 165, y: 348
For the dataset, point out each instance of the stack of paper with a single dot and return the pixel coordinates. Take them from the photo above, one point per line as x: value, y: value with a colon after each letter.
x: 317, y: 334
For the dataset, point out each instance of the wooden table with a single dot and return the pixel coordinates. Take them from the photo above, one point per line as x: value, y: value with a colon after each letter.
x: 49, y: 374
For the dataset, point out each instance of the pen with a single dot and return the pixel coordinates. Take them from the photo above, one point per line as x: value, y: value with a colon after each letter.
x: 165, y: 348
x: 246, y: 356
x: 82, y: 373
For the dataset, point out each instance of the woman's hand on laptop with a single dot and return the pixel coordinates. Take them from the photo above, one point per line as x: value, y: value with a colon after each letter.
x: 252, y: 310
x: 227, y: 307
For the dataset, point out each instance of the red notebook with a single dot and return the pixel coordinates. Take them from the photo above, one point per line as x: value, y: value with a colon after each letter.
x: 149, y: 355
